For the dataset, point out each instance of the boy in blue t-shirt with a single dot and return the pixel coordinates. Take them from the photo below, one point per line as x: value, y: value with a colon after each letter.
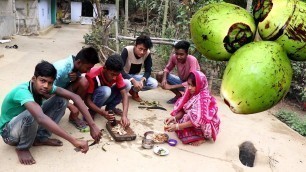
x: 68, y: 76
x: 26, y: 120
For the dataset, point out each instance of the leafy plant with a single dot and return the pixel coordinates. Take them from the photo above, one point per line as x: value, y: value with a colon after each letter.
x: 293, y: 121
x: 298, y: 85
x: 303, y: 95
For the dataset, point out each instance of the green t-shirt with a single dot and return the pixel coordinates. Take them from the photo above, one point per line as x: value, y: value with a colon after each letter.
x: 13, y: 103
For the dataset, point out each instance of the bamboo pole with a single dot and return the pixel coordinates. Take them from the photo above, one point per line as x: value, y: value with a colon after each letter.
x: 147, y: 14
x: 117, y: 26
x: 152, y: 38
x: 165, y: 17
x: 155, y: 41
x: 126, y: 19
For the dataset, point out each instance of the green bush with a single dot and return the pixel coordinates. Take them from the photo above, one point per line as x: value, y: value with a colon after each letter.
x: 293, y: 121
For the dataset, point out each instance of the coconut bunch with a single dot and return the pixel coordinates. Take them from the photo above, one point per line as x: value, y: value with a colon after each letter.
x: 258, y: 74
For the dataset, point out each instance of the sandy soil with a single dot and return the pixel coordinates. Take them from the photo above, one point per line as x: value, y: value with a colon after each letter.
x: 278, y: 147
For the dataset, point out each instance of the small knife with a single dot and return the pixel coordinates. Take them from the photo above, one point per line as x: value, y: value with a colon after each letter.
x: 152, y: 107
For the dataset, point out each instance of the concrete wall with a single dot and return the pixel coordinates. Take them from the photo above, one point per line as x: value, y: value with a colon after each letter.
x: 27, y: 16
x: 7, y: 18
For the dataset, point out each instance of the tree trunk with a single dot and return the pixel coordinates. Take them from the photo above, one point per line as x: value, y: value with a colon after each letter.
x: 126, y: 19
x: 249, y: 5
x: 117, y: 25
x: 165, y: 17
x: 98, y: 6
x: 147, y: 20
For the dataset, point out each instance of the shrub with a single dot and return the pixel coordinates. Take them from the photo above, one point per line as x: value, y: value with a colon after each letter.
x: 293, y: 121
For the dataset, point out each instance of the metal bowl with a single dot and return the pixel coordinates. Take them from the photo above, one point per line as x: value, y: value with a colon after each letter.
x: 146, y: 134
x: 147, y: 143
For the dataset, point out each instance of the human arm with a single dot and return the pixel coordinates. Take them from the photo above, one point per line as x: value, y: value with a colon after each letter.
x: 73, y: 76
x: 178, y: 126
x: 95, y: 108
x: 94, y: 130
x: 124, y: 56
x: 50, y: 125
x: 175, y: 118
x: 164, y: 79
x: 125, y: 104
x: 169, y: 67
x: 147, y: 67
x: 171, y: 87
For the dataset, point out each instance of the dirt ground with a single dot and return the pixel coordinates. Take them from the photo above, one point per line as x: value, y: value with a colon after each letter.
x: 278, y: 147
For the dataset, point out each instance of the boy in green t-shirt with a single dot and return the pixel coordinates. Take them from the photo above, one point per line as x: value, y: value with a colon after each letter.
x: 26, y: 120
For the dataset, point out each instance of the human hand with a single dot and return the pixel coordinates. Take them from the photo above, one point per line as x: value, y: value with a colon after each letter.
x: 109, y: 117
x: 81, y: 145
x: 73, y: 76
x: 95, y: 133
x: 125, y: 121
x: 170, y: 127
x: 73, y: 109
x: 163, y: 83
x: 137, y: 85
x: 141, y: 83
x: 170, y: 120
x: 167, y: 87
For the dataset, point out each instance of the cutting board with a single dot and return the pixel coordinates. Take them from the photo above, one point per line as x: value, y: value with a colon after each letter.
x: 130, y: 135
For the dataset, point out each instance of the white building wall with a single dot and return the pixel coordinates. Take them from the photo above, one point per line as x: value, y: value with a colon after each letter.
x: 44, y: 14
x: 7, y: 18
x: 111, y: 8
x: 76, y: 11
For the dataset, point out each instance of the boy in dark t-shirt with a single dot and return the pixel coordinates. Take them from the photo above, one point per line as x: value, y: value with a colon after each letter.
x: 134, y: 57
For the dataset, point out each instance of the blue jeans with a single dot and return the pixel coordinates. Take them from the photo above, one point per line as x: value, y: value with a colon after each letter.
x: 108, y: 96
x: 175, y: 80
x: 151, y: 83
x: 22, y: 130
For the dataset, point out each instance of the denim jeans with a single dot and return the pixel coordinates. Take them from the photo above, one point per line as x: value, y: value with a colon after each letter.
x: 174, y: 80
x: 109, y: 96
x: 150, y: 84
x: 22, y: 130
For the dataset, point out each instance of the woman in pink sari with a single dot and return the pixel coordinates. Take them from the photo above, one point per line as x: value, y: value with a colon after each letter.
x: 194, y: 117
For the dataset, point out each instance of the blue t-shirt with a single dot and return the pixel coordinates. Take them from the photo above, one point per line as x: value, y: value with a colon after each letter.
x: 63, y: 68
x: 13, y: 103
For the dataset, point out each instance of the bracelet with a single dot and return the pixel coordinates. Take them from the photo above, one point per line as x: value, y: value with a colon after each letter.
x: 177, y: 126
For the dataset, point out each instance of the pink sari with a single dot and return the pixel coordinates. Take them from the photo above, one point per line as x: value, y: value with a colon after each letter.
x: 201, y: 109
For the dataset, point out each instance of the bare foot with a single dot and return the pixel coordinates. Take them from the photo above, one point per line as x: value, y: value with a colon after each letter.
x: 25, y: 157
x: 48, y: 142
x: 197, y: 143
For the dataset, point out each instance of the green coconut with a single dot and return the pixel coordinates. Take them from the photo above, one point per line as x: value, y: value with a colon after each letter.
x: 219, y: 29
x: 257, y: 76
x: 283, y: 21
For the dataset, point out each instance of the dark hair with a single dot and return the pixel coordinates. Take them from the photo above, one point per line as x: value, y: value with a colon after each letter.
x: 145, y: 40
x: 45, y: 69
x: 88, y: 55
x: 182, y: 45
x: 191, y: 76
x: 114, y: 63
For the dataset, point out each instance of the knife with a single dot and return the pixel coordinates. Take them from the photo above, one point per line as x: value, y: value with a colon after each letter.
x: 152, y: 107
x: 93, y: 143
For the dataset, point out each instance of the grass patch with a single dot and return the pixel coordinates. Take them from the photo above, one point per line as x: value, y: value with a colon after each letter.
x: 293, y: 121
